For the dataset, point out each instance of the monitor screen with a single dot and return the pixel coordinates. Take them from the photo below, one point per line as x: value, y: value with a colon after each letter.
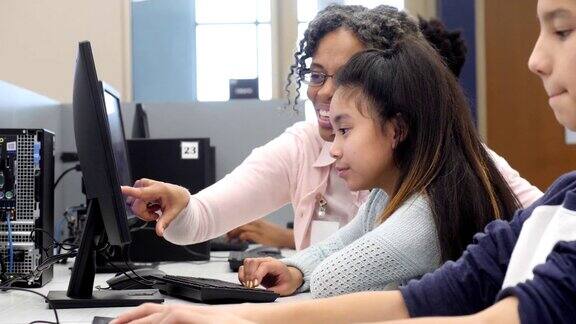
x: 117, y: 137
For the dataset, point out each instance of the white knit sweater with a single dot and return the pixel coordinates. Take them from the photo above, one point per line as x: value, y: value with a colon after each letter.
x: 365, y: 255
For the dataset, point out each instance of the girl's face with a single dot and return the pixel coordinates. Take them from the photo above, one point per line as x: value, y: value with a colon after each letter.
x: 363, y: 149
x: 553, y: 58
x: 333, y: 51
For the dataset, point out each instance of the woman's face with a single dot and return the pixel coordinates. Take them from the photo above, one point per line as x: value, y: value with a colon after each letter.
x: 553, y: 58
x: 333, y: 51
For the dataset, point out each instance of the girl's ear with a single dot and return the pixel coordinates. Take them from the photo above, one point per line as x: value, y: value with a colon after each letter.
x: 400, y: 129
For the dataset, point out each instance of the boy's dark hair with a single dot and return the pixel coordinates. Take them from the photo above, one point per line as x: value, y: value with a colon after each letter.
x: 441, y: 155
x: 449, y: 44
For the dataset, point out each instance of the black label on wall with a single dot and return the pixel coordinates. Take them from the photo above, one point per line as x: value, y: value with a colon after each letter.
x: 244, y: 88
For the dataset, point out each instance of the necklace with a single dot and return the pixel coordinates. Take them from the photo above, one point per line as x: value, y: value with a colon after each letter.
x: 322, y: 205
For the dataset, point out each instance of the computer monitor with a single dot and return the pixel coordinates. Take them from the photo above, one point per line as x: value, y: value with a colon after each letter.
x: 106, y: 219
x: 140, y: 127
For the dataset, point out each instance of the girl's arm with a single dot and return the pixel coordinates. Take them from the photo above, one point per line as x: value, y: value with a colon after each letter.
x: 308, y: 259
x: 403, y: 247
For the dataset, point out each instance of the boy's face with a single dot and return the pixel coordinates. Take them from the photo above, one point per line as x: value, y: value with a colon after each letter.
x: 553, y: 58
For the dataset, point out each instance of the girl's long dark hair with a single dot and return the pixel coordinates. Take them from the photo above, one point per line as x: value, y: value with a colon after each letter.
x: 441, y: 155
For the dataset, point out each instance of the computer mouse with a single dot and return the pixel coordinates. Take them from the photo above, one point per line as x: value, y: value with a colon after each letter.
x: 236, y: 259
x: 265, y: 250
x: 101, y: 320
x: 223, y: 243
x: 146, y: 279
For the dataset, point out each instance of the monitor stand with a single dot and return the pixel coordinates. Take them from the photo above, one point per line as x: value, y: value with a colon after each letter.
x: 116, y: 262
x: 105, y: 298
x: 80, y: 292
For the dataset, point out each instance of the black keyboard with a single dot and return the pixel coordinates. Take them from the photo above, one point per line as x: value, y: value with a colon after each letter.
x: 211, y: 291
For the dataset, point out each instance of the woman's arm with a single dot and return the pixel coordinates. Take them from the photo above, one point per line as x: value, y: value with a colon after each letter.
x: 258, y: 186
x: 266, y: 233
x: 524, y: 190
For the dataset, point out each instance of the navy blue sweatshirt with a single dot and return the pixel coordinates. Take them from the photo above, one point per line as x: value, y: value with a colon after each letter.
x: 474, y: 282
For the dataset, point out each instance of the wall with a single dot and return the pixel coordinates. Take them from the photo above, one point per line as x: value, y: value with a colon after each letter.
x: 425, y: 8
x: 520, y: 125
x: 164, y: 48
x: 39, y: 40
x: 164, y: 51
x: 461, y: 15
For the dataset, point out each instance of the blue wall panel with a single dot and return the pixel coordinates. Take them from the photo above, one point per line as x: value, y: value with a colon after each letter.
x: 163, y: 51
x: 460, y: 14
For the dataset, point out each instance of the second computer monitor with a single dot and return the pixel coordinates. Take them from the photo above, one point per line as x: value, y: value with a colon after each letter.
x: 117, y: 136
x: 140, y: 126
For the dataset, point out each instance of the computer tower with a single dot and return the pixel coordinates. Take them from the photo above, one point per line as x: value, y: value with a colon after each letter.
x: 187, y: 162
x: 146, y: 246
x: 26, y: 202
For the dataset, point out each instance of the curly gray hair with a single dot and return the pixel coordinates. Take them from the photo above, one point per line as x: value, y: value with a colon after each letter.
x: 378, y: 28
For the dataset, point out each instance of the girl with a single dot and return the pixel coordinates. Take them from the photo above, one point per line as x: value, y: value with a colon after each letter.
x: 296, y: 167
x: 402, y: 126
x: 492, y: 282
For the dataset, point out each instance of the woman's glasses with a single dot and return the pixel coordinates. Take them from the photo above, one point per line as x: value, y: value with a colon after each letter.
x: 314, y: 78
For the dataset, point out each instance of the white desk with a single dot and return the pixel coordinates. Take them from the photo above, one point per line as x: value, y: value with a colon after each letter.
x: 23, y: 307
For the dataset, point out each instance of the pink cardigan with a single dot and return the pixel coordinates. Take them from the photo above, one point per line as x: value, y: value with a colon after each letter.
x: 285, y: 170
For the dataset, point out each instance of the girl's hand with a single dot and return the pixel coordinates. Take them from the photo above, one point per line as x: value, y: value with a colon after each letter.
x: 270, y: 273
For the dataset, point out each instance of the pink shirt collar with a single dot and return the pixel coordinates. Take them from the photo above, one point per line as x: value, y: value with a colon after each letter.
x: 324, y: 159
